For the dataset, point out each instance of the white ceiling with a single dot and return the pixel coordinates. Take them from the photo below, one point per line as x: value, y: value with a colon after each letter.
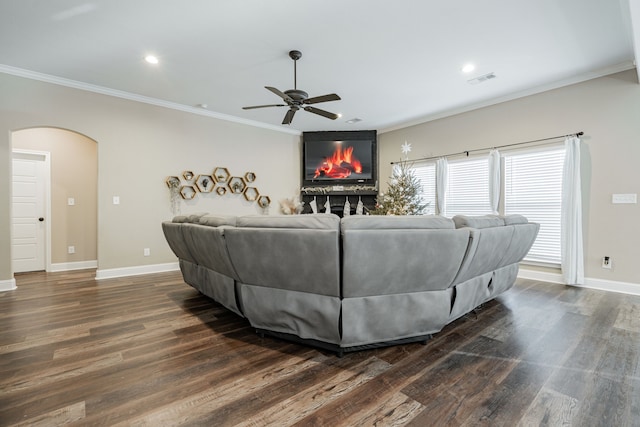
x: 392, y: 62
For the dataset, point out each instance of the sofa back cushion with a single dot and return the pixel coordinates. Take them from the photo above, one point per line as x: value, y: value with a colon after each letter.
x: 208, y: 248
x: 496, y: 241
x: 384, y: 255
x: 175, y: 238
x: 292, y: 252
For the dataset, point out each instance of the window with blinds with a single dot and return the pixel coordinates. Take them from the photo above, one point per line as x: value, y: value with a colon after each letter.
x: 533, y: 188
x: 468, y: 188
x: 426, y: 173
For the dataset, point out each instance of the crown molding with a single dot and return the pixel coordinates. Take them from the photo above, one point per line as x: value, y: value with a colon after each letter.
x: 33, y: 75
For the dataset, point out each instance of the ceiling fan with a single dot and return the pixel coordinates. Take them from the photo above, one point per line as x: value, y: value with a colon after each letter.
x: 297, y: 99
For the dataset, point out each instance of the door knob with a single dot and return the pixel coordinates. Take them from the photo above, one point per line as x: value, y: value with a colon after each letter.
x: 41, y: 219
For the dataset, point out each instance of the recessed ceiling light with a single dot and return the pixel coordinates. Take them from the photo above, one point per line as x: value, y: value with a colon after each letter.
x: 468, y: 68
x: 151, y: 59
x: 354, y: 120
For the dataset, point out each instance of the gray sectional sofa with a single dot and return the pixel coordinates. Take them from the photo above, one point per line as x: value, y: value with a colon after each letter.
x: 352, y: 283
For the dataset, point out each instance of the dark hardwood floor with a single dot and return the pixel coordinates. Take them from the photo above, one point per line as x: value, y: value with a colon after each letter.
x: 150, y: 350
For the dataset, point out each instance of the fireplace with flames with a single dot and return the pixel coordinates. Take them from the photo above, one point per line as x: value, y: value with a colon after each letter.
x: 338, y: 161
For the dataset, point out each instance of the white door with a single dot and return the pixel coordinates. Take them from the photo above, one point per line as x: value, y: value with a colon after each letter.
x: 28, y: 211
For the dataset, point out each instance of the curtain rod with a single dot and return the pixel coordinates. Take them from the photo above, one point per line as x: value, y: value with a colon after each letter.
x: 485, y: 149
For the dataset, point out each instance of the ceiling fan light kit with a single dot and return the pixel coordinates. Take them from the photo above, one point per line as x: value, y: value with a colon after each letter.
x: 297, y: 99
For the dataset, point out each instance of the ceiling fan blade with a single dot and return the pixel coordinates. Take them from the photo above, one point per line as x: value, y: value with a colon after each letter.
x: 263, y: 106
x: 289, y: 117
x: 279, y: 93
x: 323, y: 98
x: 320, y: 112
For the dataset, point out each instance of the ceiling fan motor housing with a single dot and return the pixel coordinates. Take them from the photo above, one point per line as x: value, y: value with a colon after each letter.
x: 295, y: 54
x: 297, y: 95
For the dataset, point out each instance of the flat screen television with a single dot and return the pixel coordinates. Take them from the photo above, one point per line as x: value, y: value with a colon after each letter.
x: 339, y: 158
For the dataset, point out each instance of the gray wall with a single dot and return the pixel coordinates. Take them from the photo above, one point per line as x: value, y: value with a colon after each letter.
x: 607, y: 109
x: 139, y: 145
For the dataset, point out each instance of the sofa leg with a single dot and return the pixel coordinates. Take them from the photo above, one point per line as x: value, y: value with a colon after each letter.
x: 427, y: 338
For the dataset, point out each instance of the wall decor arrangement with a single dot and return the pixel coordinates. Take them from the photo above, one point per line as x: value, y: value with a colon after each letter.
x: 219, y: 181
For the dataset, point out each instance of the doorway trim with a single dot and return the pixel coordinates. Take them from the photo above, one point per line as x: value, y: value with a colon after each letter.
x: 46, y: 157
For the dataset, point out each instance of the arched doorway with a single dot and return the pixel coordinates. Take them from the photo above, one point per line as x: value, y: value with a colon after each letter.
x: 71, y: 222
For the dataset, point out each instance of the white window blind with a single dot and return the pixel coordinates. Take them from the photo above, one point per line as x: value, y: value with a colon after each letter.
x: 533, y: 188
x: 426, y: 173
x: 468, y: 188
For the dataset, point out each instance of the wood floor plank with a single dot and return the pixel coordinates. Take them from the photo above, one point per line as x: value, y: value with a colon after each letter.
x: 550, y: 408
x: 291, y: 410
x: 150, y: 350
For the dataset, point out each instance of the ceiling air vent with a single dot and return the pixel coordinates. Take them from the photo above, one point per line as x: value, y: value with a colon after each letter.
x: 482, y: 78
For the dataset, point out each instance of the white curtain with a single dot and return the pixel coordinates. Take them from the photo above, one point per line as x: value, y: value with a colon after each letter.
x: 494, y: 180
x: 571, y: 229
x: 442, y: 173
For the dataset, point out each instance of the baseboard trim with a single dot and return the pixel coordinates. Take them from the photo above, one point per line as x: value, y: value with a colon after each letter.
x: 541, y: 275
x: 589, y: 282
x: 113, y: 273
x: 79, y: 265
x: 612, y: 286
x: 8, y: 285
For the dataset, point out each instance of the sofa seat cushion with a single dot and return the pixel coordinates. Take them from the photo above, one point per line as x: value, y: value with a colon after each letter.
x: 191, y: 218
x: 481, y: 221
x: 391, y: 222
x: 217, y: 220
x: 514, y: 219
x: 313, y: 221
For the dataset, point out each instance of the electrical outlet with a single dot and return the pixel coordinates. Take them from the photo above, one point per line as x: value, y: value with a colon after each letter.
x: 71, y: 249
x: 147, y: 252
x: 71, y: 201
x: 631, y: 198
x: 607, y: 262
x: 116, y: 200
